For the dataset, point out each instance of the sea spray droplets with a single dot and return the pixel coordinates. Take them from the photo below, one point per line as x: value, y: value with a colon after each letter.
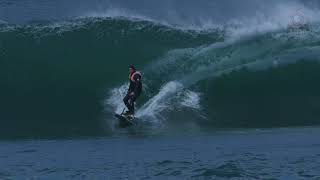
x: 191, y: 99
x: 115, y: 98
x: 160, y: 101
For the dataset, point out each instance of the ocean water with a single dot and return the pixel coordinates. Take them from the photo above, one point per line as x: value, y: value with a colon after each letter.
x: 243, y: 154
x: 219, y: 77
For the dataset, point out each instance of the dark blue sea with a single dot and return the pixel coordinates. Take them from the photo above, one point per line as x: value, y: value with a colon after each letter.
x: 287, y: 153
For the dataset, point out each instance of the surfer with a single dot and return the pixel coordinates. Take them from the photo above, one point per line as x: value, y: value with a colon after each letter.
x: 134, y: 90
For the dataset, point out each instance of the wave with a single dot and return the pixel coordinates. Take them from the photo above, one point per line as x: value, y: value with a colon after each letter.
x: 54, y: 75
x: 182, y: 70
x: 68, y: 78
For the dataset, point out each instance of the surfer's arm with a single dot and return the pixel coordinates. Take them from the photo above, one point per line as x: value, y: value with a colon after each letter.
x: 137, y: 79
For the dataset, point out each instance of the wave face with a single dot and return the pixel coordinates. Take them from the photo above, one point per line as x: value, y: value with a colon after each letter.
x: 68, y: 78
x: 54, y: 76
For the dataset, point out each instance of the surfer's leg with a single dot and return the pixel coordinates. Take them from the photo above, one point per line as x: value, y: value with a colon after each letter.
x: 126, y: 100
x: 131, y: 104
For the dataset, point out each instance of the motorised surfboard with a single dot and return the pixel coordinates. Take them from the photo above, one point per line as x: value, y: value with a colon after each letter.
x: 125, y: 121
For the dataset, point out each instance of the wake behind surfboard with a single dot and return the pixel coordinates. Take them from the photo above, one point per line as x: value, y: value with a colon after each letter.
x: 125, y: 121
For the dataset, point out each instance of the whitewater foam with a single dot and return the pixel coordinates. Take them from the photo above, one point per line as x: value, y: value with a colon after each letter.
x: 191, y: 99
x: 152, y: 109
x: 161, y: 101
x: 115, y: 98
x: 278, y: 16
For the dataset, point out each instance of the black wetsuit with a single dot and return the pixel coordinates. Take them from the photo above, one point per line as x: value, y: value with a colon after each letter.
x: 136, y: 87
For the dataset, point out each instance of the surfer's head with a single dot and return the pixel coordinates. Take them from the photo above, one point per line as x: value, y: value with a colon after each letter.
x: 132, y: 69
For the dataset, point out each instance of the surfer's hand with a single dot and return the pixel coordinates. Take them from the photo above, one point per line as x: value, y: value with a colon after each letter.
x: 132, y: 94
